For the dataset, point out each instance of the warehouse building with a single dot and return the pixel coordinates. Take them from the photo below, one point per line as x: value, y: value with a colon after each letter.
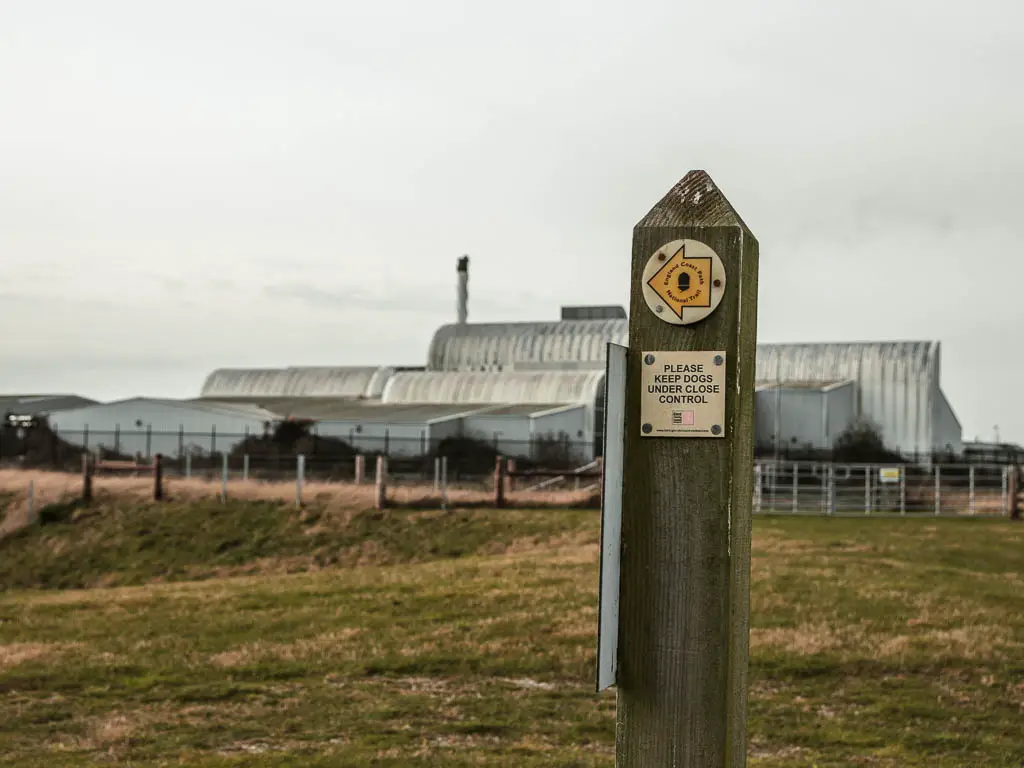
x: 824, y: 387
x: 39, y: 405
x: 370, y: 426
x: 558, y: 404
x: 146, y: 426
x: 895, y: 386
x: 516, y: 384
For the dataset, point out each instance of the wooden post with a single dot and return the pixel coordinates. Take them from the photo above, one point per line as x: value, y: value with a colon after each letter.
x: 158, y: 477
x: 499, y: 482
x: 380, y: 494
x: 1013, y: 507
x: 31, y: 501
x: 444, y: 482
x: 86, y: 478
x: 510, y: 480
x: 300, y: 474
x: 686, y: 517
x: 360, y: 469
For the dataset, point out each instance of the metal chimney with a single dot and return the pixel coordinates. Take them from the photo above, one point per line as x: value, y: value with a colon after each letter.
x: 463, y: 294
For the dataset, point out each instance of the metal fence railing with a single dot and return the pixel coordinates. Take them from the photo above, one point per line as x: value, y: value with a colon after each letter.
x: 881, y: 490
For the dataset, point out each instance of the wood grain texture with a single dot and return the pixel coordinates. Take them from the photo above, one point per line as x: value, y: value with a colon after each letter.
x: 685, y: 568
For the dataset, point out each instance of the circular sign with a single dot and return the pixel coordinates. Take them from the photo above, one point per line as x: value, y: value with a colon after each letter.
x: 683, y: 282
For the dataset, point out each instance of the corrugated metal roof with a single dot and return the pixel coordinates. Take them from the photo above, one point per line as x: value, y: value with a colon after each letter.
x: 823, y: 386
x: 532, y: 409
x: 341, y: 409
x: 33, y: 405
x: 210, y: 406
x: 521, y: 346
x: 247, y: 410
x: 309, y: 381
x: 497, y: 388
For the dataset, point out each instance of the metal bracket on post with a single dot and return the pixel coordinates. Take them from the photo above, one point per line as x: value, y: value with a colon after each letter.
x: 611, y: 517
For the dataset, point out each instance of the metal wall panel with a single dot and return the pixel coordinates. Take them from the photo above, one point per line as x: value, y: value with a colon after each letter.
x: 948, y: 432
x: 161, y: 425
x: 809, y: 418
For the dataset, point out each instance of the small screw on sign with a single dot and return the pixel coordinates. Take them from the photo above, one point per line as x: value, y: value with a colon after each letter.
x: 649, y: 359
x: 718, y: 360
x: 716, y: 430
x: 646, y: 429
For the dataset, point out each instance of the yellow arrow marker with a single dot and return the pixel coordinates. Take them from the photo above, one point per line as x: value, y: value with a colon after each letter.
x: 683, y: 282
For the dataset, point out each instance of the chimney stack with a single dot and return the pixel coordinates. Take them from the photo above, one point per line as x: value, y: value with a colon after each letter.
x: 463, y: 295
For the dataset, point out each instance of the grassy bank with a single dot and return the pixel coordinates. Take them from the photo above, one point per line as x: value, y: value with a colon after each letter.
x: 468, y: 639
x: 120, y: 543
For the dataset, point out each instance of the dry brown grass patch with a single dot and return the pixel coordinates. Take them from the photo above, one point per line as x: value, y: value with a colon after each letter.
x: 328, y: 645
x: 63, y: 487
x: 13, y: 654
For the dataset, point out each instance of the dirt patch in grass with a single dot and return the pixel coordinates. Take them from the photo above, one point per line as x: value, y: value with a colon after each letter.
x: 14, y: 654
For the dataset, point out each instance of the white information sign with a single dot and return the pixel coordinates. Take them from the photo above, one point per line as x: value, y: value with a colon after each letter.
x: 683, y: 394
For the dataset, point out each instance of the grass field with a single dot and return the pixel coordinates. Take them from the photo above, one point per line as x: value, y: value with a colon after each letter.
x: 250, y: 634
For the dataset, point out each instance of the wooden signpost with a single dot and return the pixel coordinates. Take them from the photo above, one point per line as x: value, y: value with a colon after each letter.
x: 686, y: 485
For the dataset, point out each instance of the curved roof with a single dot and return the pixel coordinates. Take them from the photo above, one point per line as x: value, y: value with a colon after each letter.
x: 897, y: 383
x: 858, y: 360
x: 492, y: 387
x: 296, y: 382
x: 578, y: 344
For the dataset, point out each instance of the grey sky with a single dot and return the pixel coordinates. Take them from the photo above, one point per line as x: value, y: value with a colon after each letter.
x: 198, y: 184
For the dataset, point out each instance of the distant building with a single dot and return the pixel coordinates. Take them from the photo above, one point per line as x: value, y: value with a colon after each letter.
x: 514, y: 384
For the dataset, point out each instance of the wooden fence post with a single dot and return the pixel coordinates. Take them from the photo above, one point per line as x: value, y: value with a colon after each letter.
x: 380, y: 494
x: 510, y: 479
x: 31, y: 502
x: 86, y: 478
x: 360, y: 469
x: 158, y: 477
x: 1013, y: 488
x: 688, y: 489
x: 499, y: 482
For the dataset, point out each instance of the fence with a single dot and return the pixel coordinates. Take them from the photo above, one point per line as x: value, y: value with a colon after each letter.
x: 58, y: 448
x: 40, y: 445
x: 883, y: 490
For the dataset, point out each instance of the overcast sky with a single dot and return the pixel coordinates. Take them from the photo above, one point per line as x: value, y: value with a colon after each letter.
x: 187, y: 185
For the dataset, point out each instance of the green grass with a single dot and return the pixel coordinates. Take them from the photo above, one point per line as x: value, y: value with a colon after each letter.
x: 468, y: 639
x: 124, y: 543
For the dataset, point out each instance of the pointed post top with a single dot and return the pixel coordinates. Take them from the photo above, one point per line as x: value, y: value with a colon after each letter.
x: 696, y: 201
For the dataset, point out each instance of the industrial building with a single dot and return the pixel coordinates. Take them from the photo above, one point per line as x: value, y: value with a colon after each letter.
x: 146, y: 425
x: 39, y: 405
x: 514, y: 384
